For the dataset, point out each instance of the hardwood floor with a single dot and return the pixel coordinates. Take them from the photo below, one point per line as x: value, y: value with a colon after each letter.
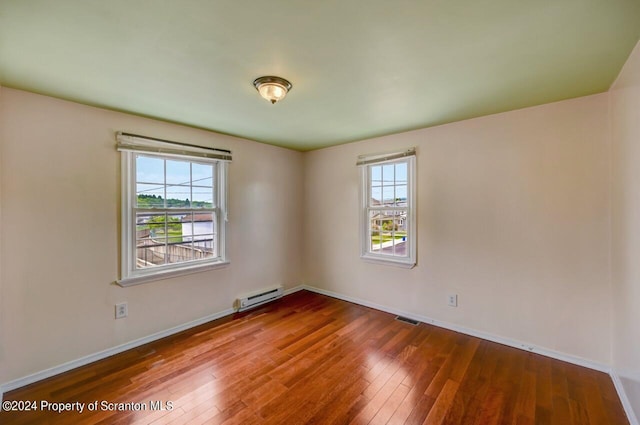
x: 311, y: 359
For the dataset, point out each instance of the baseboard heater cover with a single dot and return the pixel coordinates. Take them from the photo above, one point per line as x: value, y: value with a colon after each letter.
x: 259, y: 298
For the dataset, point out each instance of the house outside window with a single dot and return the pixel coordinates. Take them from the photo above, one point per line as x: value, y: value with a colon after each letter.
x: 173, y: 208
x: 388, y: 231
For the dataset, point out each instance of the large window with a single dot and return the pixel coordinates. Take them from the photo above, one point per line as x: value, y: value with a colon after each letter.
x: 173, y: 209
x: 388, y: 208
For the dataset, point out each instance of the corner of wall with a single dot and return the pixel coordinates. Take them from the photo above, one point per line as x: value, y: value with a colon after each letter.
x: 624, y: 399
x: 611, y: 207
x: 2, y: 321
x: 623, y: 133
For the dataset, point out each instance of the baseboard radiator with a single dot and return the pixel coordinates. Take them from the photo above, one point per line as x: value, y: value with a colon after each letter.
x: 258, y: 298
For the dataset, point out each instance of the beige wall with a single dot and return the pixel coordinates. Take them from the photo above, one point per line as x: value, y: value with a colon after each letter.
x: 625, y: 131
x: 513, y: 216
x: 59, y: 187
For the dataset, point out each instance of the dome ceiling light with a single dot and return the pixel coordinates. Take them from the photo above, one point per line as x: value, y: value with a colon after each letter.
x: 272, y: 88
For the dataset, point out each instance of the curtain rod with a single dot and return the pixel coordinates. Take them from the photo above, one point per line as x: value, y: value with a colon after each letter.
x: 174, y: 143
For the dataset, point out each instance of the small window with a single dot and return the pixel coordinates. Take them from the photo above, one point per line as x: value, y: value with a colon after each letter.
x: 173, y: 212
x: 388, y: 208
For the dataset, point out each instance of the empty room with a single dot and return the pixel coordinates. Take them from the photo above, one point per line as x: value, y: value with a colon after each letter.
x: 355, y: 212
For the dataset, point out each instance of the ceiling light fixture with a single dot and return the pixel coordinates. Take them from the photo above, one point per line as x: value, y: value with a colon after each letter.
x: 272, y: 88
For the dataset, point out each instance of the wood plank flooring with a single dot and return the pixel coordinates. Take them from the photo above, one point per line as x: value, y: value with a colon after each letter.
x: 311, y: 359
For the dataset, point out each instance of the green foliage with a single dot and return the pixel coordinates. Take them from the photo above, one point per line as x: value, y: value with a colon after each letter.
x: 388, y: 225
x: 151, y: 201
x: 157, y: 224
x: 378, y: 237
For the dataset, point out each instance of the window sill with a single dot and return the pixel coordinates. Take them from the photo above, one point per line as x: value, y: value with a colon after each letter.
x: 167, y: 274
x: 402, y: 263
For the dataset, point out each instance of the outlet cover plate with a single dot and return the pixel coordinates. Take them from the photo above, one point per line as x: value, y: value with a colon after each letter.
x: 121, y: 310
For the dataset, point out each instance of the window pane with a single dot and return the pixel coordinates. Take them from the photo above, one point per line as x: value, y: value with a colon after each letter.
x: 401, y: 196
x: 149, y: 256
x: 400, y: 236
x: 388, y: 173
x: 203, y: 235
x: 150, y: 240
x: 187, y: 227
x: 178, y: 172
x: 149, y: 169
x: 178, y: 196
x: 388, y: 232
x: 388, y: 195
x: 203, y: 224
x: 376, y: 196
x: 176, y: 252
x: 375, y: 227
x: 149, y: 225
x: 190, y: 236
x: 202, y: 174
x: 184, y: 250
x: 202, y: 197
x: 155, y: 223
x: 204, y: 246
x: 376, y: 175
x: 174, y: 228
x: 375, y: 241
x: 149, y: 196
x: 196, y: 224
x: 179, y: 253
x: 401, y: 173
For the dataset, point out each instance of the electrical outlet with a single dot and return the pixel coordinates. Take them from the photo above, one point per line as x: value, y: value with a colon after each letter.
x: 452, y: 300
x: 121, y: 310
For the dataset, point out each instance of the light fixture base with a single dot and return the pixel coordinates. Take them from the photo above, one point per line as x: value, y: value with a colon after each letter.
x: 272, y: 88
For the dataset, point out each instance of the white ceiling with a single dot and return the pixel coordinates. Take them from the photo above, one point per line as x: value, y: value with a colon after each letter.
x: 359, y: 68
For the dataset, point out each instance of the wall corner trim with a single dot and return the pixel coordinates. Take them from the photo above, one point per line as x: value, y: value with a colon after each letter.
x: 294, y: 289
x: 626, y: 403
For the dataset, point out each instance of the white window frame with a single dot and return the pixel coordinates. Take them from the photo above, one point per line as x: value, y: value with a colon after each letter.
x: 365, y: 163
x: 129, y: 274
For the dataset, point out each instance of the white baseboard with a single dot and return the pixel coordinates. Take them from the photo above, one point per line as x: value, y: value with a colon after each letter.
x: 467, y: 331
x: 38, y: 376
x: 56, y: 370
x: 294, y: 289
x: 47, y: 373
x: 626, y: 403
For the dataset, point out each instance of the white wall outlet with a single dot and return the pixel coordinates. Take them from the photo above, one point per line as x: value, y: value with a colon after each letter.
x: 452, y: 300
x: 121, y: 310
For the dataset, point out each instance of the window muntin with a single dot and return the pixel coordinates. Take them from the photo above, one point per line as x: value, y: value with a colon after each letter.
x: 174, y: 214
x: 388, y: 211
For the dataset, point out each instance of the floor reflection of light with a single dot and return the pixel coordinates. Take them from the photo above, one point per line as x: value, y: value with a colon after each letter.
x: 372, y: 359
x: 186, y: 397
x: 389, y: 389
